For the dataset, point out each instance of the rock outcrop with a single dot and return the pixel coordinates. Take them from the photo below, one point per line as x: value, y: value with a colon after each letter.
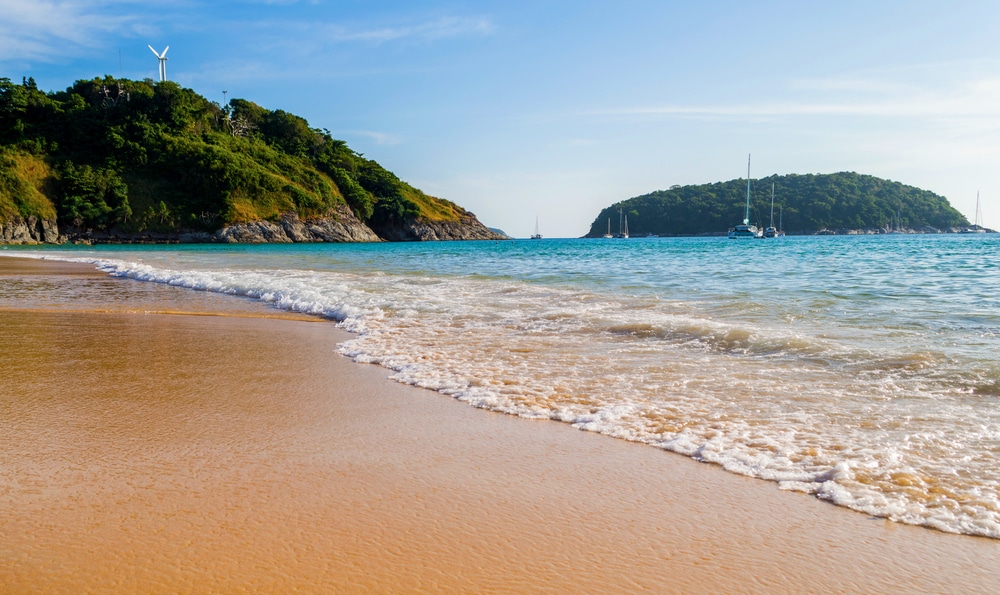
x: 345, y: 227
x: 342, y: 226
x: 466, y: 228
x: 18, y: 230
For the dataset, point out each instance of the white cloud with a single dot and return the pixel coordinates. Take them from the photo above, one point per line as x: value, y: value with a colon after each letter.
x: 441, y: 28
x: 978, y: 98
x: 47, y: 29
x: 380, y: 138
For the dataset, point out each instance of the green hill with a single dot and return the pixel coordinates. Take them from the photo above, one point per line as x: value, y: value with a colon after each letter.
x: 806, y: 204
x: 139, y: 156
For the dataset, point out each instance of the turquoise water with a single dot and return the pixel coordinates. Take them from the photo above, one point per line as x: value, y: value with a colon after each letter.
x: 861, y: 369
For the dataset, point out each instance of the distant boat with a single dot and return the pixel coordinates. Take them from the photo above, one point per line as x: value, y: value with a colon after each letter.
x: 622, y: 224
x: 608, y: 235
x: 898, y: 228
x: 746, y: 230
x: 536, y: 235
x: 977, y: 226
x: 771, y: 231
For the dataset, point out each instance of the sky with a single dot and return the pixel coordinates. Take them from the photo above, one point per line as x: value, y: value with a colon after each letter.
x: 550, y: 110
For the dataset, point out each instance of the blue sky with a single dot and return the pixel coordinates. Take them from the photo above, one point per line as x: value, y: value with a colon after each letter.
x: 555, y: 109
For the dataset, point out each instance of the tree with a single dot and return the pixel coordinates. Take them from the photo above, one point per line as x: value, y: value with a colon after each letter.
x: 92, y: 197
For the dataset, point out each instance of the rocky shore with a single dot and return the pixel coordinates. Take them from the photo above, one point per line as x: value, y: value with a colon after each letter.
x: 341, y: 226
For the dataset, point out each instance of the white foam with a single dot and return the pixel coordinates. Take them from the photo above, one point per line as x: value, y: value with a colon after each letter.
x: 811, y: 410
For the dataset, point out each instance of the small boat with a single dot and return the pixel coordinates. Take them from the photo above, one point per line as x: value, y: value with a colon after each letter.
x: 977, y: 226
x: 746, y: 230
x: 608, y: 235
x: 771, y: 231
x: 536, y: 235
x: 898, y: 228
x: 622, y: 225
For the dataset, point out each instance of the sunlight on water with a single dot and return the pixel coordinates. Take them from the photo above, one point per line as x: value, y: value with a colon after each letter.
x: 859, y: 369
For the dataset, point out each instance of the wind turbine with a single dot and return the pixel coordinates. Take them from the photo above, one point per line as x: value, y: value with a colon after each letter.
x: 163, y: 61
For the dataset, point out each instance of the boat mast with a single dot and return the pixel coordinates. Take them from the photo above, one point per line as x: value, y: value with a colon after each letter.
x: 746, y: 220
x: 772, y: 204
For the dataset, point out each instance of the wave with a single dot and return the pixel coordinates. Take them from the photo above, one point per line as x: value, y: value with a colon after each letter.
x: 821, y: 410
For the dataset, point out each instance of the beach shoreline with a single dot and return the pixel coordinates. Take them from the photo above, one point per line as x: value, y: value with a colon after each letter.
x: 172, y: 440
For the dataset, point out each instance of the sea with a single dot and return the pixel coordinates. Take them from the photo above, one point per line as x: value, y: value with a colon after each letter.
x: 864, y: 370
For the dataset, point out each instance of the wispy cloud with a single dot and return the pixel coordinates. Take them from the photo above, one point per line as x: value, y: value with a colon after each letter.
x: 978, y: 98
x: 47, y: 29
x: 282, y: 2
x: 380, y: 138
x: 440, y: 28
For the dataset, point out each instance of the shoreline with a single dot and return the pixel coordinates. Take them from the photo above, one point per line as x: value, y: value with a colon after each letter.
x: 216, y: 452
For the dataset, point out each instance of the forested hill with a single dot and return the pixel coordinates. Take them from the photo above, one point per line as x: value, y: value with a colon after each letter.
x: 804, y: 203
x: 116, y: 158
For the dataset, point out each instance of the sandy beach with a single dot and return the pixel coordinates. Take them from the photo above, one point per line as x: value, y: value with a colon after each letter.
x: 156, y: 439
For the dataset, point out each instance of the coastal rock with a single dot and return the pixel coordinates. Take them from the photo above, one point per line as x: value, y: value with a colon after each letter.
x: 344, y: 227
x: 18, y: 230
x: 254, y: 232
x: 341, y: 226
x: 468, y: 227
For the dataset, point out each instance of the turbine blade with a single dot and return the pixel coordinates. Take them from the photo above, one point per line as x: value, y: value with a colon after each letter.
x: 152, y: 50
x: 165, y: 51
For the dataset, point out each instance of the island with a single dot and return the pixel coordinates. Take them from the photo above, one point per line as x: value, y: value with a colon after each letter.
x: 838, y: 203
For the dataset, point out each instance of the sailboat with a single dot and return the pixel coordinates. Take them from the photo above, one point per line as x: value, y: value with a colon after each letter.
x: 622, y: 224
x: 977, y: 226
x: 608, y: 235
x: 746, y: 230
x: 898, y: 227
x: 536, y: 235
x: 771, y: 231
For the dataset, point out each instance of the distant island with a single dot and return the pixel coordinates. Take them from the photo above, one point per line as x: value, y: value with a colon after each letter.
x: 116, y: 160
x: 839, y: 203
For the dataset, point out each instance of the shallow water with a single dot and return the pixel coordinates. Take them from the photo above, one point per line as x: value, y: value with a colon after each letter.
x: 860, y: 369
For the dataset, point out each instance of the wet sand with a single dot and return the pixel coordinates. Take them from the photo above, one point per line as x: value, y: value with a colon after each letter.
x: 149, y: 446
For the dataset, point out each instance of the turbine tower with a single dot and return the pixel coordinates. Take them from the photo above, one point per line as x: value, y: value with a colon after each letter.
x: 163, y: 61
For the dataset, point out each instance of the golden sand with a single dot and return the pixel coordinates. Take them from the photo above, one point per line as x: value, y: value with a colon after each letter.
x: 147, y: 452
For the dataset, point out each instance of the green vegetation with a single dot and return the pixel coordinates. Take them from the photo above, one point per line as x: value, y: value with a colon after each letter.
x: 807, y: 203
x: 141, y: 156
x: 24, y: 185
